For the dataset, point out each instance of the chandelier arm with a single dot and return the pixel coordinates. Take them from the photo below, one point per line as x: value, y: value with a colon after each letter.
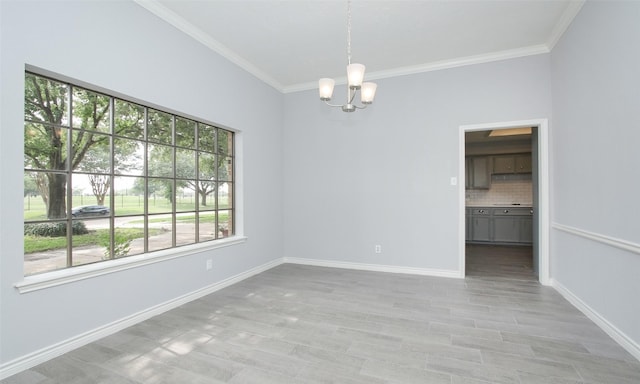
x: 351, y: 94
x: 341, y: 105
x: 332, y: 105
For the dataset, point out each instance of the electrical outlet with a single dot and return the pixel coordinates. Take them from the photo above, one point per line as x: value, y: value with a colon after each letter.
x: 209, y: 264
x: 378, y: 248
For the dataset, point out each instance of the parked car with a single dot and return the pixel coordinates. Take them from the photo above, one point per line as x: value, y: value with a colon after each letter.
x: 90, y: 210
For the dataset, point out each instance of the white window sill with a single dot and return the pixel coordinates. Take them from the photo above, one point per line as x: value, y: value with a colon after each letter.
x: 68, y: 275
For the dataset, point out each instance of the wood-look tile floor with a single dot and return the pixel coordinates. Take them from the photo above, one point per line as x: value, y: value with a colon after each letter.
x: 303, y: 324
x: 500, y: 261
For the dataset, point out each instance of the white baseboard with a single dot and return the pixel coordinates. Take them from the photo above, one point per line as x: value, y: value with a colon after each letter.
x: 32, y: 359
x: 620, y: 337
x: 375, y: 267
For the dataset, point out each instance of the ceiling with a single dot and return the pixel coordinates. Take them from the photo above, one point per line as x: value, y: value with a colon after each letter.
x: 483, y: 138
x: 290, y: 44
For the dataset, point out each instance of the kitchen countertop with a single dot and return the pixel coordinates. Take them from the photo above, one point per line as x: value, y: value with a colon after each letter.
x: 505, y: 205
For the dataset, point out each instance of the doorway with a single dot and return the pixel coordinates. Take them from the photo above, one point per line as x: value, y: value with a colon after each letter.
x: 540, y: 193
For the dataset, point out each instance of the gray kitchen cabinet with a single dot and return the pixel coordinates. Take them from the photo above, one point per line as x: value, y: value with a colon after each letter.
x: 523, y: 163
x: 510, y: 225
x: 506, y: 229
x: 526, y: 229
x: 503, y: 164
x: 481, y: 225
x: 467, y: 217
x: 477, y: 172
x: 505, y: 225
x: 518, y: 163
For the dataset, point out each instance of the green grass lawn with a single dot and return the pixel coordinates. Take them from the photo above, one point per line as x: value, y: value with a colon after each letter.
x: 34, y: 244
x: 206, y: 218
x: 34, y: 208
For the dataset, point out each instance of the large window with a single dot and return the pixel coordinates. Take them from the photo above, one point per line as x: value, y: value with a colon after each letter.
x: 106, y: 178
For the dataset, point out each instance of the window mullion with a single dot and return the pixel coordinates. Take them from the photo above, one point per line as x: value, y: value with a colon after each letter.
x: 174, y: 183
x: 196, y: 183
x: 69, y: 174
x: 112, y: 204
x: 146, y: 179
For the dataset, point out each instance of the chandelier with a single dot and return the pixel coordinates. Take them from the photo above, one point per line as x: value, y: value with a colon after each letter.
x: 355, y: 77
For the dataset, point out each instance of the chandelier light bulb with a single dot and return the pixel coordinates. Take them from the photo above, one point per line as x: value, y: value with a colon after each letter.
x: 355, y: 75
x: 325, y: 86
x: 368, y: 92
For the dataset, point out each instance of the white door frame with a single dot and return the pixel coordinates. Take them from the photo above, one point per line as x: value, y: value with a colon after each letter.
x: 543, y: 190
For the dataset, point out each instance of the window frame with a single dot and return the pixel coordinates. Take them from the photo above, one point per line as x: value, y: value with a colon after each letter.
x: 72, y: 272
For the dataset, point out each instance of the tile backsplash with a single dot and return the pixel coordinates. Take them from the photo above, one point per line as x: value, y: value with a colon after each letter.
x: 504, y: 190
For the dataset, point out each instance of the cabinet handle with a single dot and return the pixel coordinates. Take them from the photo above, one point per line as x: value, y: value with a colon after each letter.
x: 506, y: 211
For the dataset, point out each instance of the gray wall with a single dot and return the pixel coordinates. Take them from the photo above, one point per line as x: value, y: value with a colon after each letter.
x: 382, y: 176
x: 596, y: 167
x: 122, y: 47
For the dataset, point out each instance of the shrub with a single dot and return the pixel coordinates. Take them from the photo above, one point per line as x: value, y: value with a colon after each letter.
x: 121, y: 242
x: 58, y: 229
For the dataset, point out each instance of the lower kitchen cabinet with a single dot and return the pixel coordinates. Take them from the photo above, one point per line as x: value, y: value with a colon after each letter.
x: 526, y: 230
x: 467, y: 225
x: 478, y: 224
x: 506, y: 229
x: 481, y: 228
x: 500, y: 225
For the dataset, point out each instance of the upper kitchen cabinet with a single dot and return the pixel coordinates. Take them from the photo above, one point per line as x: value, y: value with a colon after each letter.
x: 518, y: 163
x: 478, y: 172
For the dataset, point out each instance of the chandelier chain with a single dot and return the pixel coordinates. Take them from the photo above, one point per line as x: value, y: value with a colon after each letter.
x: 348, y: 32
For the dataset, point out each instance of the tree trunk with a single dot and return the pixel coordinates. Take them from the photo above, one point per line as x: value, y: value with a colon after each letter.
x: 42, y: 182
x: 100, y: 185
x: 57, y: 196
x: 203, y: 198
x: 57, y: 181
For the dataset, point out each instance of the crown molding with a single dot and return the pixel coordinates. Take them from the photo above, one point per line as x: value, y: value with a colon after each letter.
x: 183, y: 25
x: 435, y: 66
x: 196, y: 33
x: 563, y: 24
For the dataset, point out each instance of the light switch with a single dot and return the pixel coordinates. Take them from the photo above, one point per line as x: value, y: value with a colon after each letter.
x: 454, y: 181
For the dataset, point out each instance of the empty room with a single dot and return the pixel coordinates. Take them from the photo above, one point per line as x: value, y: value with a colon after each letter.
x: 388, y: 192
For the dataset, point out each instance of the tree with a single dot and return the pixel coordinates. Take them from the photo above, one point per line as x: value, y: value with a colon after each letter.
x: 212, y: 170
x: 153, y: 186
x: 98, y: 162
x: 168, y: 190
x: 185, y: 165
x: 212, y: 167
x: 47, y: 134
x: 205, y: 188
x: 205, y: 185
x: 45, y: 108
x: 30, y: 185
